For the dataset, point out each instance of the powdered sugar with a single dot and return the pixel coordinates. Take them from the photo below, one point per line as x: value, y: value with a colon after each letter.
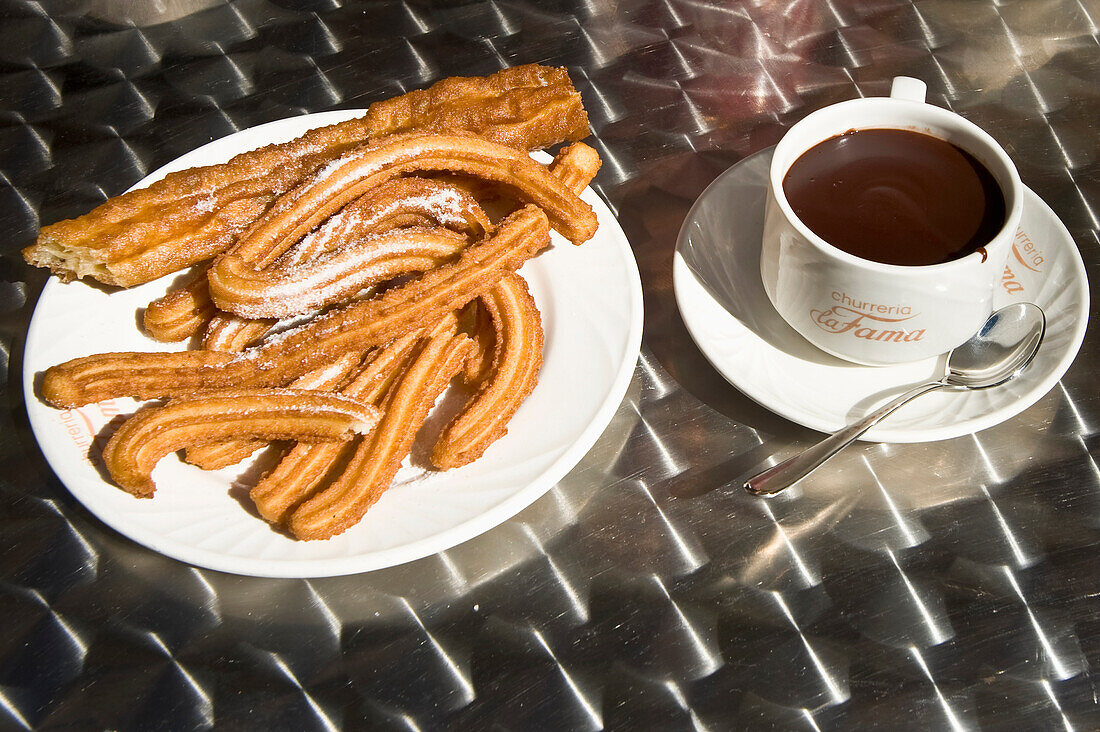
x: 328, y: 235
x: 446, y: 205
x: 294, y: 288
x: 206, y: 204
x: 332, y: 167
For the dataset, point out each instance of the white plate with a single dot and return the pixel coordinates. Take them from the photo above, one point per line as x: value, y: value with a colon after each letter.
x: 591, y: 302
x: 716, y: 275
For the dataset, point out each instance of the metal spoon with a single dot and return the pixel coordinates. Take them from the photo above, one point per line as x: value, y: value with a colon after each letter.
x: 998, y: 352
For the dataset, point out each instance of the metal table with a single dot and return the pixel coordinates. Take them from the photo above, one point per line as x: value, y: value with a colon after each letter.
x: 940, y: 585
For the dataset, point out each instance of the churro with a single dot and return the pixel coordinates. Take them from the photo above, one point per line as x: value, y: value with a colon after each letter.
x: 195, y: 214
x: 399, y: 203
x: 285, y: 290
x: 575, y: 166
x: 512, y: 376
x: 372, y: 467
x: 220, y: 454
x: 348, y: 177
x: 232, y: 333
x: 478, y: 323
x: 357, y: 325
x: 517, y: 345
x: 304, y: 466
x: 153, y: 432
x: 182, y: 312
x: 395, y: 204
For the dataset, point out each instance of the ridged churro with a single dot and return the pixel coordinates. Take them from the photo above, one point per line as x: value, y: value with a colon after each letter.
x: 195, y: 214
x: 399, y: 203
x: 372, y: 467
x: 304, y: 466
x: 182, y: 312
x: 285, y: 290
x: 232, y: 334
x: 395, y: 204
x: 281, y: 414
x: 517, y: 350
x: 512, y: 376
x: 478, y: 323
x: 220, y: 454
x: 359, y: 325
x: 575, y: 166
x: 348, y: 177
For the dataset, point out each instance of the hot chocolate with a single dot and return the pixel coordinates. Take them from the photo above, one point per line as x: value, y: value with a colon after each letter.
x: 896, y: 196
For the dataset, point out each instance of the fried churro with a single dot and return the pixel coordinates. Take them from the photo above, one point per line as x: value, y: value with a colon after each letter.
x: 221, y: 454
x: 399, y: 203
x: 232, y: 333
x: 283, y: 414
x: 182, y: 312
x: 575, y: 166
x: 517, y: 345
x: 512, y: 376
x: 372, y: 467
x: 395, y: 204
x: 195, y: 214
x: 285, y: 290
x: 305, y: 466
x: 479, y: 324
x: 348, y: 177
x: 275, y: 362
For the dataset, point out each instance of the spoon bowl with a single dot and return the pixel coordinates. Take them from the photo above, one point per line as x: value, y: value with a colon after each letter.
x: 998, y: 352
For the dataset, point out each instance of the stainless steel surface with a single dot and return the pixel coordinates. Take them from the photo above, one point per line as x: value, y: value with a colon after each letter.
x: 1003, y: 347
x: 946, y: 585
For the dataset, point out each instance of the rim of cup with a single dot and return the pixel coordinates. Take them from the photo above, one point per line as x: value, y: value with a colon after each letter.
x: 1012, y: 192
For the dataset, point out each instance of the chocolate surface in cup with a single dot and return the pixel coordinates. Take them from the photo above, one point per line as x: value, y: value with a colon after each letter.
x: 896, y: 196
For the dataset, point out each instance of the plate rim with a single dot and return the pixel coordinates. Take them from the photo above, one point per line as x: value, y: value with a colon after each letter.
x: 392, y: 556
x: 683, y: 278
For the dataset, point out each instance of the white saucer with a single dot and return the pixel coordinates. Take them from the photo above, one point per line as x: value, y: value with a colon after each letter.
x: 591, y: 302
x: 716, y: 274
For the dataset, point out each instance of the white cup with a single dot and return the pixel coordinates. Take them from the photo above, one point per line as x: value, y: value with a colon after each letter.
x: 869, y: 312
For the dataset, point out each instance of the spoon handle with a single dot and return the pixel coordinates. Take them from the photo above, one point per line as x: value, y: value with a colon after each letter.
x: 782, y: 476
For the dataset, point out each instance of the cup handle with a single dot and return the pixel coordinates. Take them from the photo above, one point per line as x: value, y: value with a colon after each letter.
x: 906, y: 87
